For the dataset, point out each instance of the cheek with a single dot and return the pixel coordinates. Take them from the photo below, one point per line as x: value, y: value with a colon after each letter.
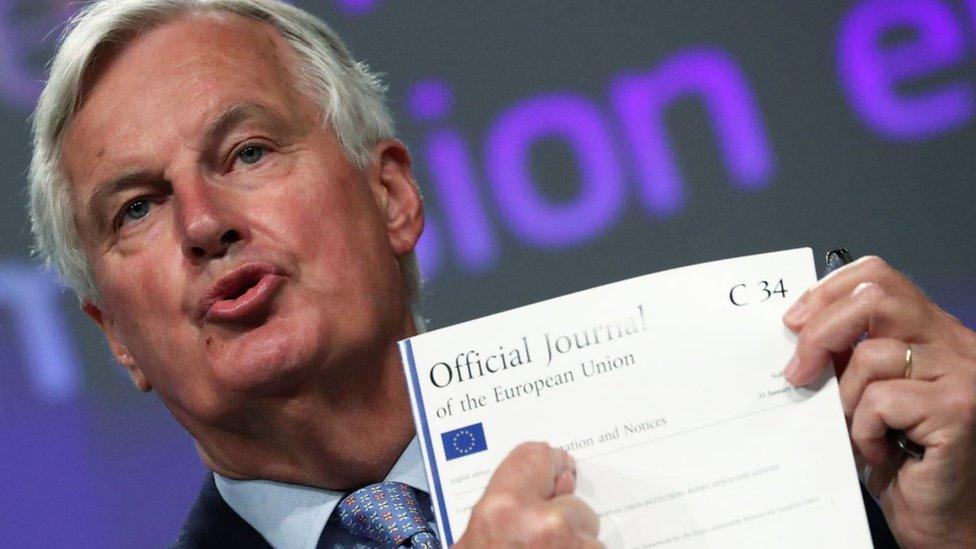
x: 338, y: 231
x: 146, y: 290
x: 354, y: 257
x: 146, y: 300
x: 346, y: 261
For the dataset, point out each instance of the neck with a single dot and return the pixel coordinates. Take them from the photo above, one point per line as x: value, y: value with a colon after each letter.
x: 346, y: 433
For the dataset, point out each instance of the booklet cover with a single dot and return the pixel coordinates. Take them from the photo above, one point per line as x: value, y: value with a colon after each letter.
x: 667, y: 390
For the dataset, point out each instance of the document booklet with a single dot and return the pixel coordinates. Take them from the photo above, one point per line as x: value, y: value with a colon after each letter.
x: 667, y: 390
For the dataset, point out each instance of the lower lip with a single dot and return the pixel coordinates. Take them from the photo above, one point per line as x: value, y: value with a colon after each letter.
x: 252, y: 306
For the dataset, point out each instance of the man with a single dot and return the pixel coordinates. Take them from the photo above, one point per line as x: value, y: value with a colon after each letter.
x: 219, y: 183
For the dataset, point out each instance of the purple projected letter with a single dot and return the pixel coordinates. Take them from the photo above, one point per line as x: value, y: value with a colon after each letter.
x: 449, y: 167
x: 357, y: 8
x: 641, y: 101
x: 870, y: 71
x: 429, y: 249
x: 33, y: 297
x: 531, y: 216
x: 430, y: 100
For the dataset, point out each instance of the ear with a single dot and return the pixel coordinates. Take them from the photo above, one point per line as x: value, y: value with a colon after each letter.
x: 397, y: 195
x: 121, y: 352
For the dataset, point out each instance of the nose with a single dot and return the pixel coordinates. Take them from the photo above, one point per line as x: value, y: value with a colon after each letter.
x: 209, y: 220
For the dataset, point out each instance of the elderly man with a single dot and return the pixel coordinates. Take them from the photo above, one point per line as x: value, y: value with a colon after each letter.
x: 219, y: 183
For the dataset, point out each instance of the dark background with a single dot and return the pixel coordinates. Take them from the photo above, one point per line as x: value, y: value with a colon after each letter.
x: 887, y: 169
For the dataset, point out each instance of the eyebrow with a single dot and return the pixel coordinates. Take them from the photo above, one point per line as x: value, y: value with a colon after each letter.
x: 220, y: 126
x: 234, y: 116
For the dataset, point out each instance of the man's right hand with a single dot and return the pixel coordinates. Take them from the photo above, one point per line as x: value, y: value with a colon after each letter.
x: 529, y: 502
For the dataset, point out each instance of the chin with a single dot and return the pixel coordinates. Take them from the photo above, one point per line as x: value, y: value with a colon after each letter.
x: 274, y: 358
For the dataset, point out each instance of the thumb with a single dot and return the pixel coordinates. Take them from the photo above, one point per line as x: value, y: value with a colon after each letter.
x: 535, y: 470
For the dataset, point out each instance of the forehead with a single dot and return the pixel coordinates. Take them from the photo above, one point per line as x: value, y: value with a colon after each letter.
x: 169, y: 84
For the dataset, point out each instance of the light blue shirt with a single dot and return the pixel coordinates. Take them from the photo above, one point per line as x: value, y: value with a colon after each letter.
x: 294, y: 516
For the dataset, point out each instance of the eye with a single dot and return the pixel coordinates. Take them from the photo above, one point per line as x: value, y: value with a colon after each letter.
x: 135, y: 210
x: 251, y: 154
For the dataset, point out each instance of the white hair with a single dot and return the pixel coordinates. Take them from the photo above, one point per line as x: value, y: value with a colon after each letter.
x: 350, y: 95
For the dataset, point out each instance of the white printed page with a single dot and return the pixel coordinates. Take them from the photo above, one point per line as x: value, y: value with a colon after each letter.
x: 667, y: 390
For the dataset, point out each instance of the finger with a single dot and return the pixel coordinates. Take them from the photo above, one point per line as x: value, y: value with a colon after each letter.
x: 566, y: 479
x: 841, y: 283
x: 869, y: 308
x: 580, y: 517
x: 590, y: 542
x: 881, y: 475
x: 531, y: 469
x: 565, y: 484
x: 878, y: 359
x: 901, y: 404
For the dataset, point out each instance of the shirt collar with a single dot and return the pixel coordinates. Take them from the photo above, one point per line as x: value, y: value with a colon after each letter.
x: 291, y: 515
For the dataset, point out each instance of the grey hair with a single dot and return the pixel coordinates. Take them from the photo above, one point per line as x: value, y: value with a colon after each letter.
x: 350, y: 95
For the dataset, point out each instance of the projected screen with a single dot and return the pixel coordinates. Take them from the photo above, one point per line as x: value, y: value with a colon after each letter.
x: 559, y: 146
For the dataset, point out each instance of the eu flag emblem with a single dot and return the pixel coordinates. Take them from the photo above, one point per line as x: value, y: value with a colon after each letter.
x: 464, y: 441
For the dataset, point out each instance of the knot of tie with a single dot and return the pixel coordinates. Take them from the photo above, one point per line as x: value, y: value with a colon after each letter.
x: 387, y: 513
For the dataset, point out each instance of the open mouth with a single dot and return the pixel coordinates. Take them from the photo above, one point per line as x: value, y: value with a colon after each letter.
x: 243, y: 289
x: 243, y: 295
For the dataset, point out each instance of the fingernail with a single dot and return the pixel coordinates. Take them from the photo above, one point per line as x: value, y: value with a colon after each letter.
x: 792, y: 367
x: 570, y: 463
x: 796, y: 314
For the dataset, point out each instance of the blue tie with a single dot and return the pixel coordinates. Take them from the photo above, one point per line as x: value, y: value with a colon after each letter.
x: 387, y: 513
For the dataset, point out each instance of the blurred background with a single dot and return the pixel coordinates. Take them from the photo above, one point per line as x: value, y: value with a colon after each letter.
x: 559, y: 145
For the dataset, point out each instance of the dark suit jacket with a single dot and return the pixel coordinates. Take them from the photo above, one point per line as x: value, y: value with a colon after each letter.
x: 212, y: 523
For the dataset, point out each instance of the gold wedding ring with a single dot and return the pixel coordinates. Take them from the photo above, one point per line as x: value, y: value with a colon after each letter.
x: 908, y: 362
x: 909, y: 448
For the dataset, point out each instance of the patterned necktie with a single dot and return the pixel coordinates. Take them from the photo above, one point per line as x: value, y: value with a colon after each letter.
x: 388, y: 513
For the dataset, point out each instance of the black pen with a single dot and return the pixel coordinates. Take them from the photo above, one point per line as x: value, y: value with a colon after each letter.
x: 836, y: 259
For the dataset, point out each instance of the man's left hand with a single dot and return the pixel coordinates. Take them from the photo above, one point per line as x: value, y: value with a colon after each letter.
x: 929, y: 502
